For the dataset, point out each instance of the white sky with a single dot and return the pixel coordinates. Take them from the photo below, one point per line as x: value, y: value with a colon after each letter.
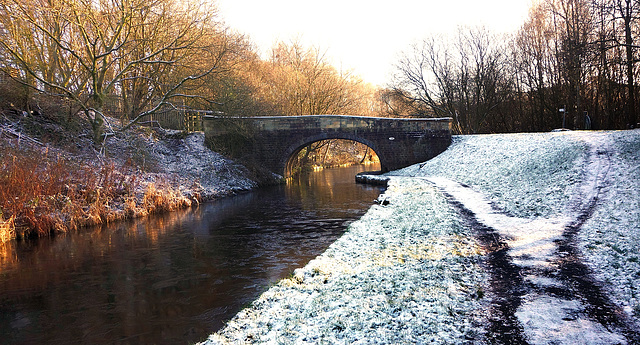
x: 365, y: 36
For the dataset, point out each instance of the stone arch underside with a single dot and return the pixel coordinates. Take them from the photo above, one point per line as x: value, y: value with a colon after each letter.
x: 295, y: 148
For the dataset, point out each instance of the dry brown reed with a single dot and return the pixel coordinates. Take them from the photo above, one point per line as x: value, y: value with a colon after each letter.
x: 43, y: 194
x: 7, y: 229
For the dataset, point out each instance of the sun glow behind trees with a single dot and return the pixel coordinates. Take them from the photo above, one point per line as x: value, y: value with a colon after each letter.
x: 365, y: 36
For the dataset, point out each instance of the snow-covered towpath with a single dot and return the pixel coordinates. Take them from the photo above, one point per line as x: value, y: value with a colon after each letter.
x: 551, y: 297
x: 543, y: 289
x: 511, y: 239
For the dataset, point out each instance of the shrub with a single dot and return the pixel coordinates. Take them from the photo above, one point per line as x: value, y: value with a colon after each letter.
x: 45, y: 194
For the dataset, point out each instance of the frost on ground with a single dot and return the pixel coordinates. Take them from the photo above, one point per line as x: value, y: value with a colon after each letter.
x: 181, y: 160
x: 526, y: 175
x: 548, y: 310
x: 552, y: 320
x: 185, y: 156
x: 610, y: 239
x: 549, y: 184
x: 565, y: 204
x: 405, y: 273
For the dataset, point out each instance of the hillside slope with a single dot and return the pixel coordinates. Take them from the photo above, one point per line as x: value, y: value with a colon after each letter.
x: 53, y: 179
x: 567, y: 208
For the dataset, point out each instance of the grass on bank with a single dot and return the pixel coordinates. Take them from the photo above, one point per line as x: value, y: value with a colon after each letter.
x: 42, y: 194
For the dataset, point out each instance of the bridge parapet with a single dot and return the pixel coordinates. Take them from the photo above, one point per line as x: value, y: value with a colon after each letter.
x: 271, y: 141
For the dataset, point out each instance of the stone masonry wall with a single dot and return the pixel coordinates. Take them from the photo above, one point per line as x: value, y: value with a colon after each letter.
x: 271, y: 141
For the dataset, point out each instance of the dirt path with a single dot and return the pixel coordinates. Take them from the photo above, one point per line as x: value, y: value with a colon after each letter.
x: 507, y: 285
x: 541, y: 290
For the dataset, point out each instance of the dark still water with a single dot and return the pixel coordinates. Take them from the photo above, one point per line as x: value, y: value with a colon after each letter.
x: 175, y: 278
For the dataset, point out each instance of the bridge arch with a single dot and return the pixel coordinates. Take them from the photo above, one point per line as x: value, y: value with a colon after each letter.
x: 269, y: 142
x: 295, y: 148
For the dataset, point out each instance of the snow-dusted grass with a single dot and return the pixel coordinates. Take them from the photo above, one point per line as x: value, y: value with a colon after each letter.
x: 527, y: 175
x: 610, y: 239
x: 552, y: 178
x: 409, y: 272
x: 405, y: 273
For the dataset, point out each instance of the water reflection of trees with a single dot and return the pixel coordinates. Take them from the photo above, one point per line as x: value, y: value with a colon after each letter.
x: 8, y: 255
x: 169, y: 277
x: 122, y: 284
x: 333, y: 153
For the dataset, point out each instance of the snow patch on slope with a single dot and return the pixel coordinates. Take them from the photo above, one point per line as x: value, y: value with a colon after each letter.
x: 410, y: 272
x: 532, y: 240
x: 610, y: 239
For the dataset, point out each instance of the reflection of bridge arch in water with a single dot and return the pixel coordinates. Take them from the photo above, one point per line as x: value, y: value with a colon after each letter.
x: 270, y: 142
x: 292, y: 151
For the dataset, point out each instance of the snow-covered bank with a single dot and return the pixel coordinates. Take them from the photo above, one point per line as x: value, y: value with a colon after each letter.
x: 548, y: 192
x: 406, y: 272
x: 526, y: 175
x: 182, y: 160
x: 414, y: 272
x: 610, y: 238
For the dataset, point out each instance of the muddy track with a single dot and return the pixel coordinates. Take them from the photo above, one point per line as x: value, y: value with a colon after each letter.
x: 508, y: 287
x: 581, y: 284
x: 575, y: 273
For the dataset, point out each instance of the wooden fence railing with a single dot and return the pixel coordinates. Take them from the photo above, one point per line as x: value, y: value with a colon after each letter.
x: 187, y: 120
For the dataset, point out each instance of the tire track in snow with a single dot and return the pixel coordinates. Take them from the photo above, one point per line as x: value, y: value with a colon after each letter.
x: 542, y: 291
x: 572, y: 268
x: 506, y: 280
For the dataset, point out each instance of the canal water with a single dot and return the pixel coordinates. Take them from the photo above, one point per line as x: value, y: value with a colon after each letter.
x: 174, y: 278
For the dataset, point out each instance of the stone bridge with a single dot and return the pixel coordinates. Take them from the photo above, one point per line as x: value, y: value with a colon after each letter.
x: 270, y: 142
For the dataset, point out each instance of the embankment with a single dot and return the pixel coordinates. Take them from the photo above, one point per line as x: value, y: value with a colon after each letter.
x: 47, y: 187
x: 417, y: 268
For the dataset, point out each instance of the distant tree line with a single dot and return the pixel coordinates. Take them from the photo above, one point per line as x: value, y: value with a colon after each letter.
x: 573, y: 55
x: 126, y: 59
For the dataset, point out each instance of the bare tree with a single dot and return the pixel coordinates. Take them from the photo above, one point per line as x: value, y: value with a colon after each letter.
x: 628, y: 11
x: 536, y: 47
x: 462, y: 78
x: 482, y: 80
x: 574, y: 25
x: 147, y: 52
x: 301, y: 81
x: 423, y: 78
x: 574, y: 54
